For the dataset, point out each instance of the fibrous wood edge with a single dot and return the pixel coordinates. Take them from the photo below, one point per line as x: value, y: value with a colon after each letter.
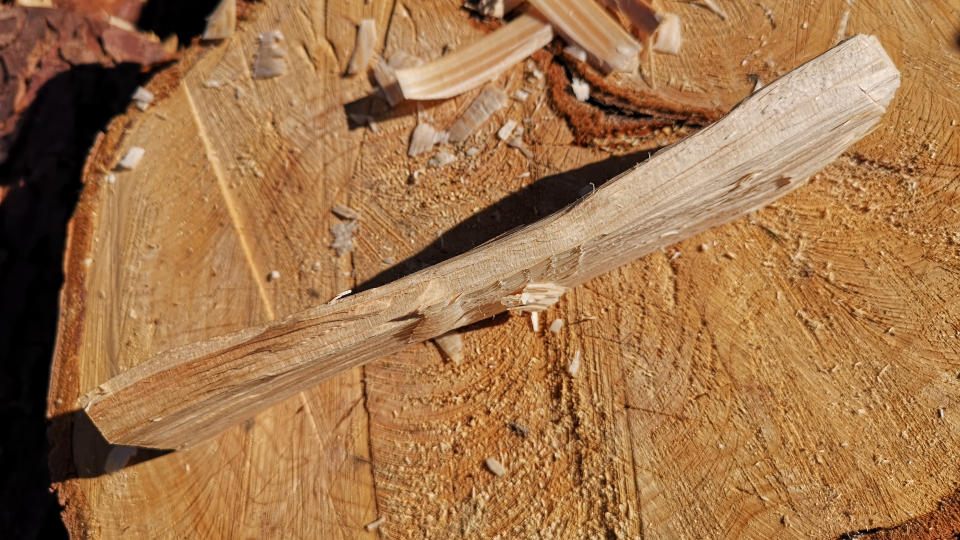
x: 768, y: 146
x: 476, y: 63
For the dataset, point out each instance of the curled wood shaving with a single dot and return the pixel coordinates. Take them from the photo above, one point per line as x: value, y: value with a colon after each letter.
x: 609, y: 47
x: 222, y: 23
x: 477, y: 63
x: 271, y: 57
x: 489, y: 101
x: 363, y: 48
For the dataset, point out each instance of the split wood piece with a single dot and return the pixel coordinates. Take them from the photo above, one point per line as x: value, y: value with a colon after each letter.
x: 609, y: 47
x: 766, y: 147
x: 477, y: 63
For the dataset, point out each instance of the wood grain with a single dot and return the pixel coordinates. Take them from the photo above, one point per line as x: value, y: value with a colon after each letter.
x: 719, y: 395
x: 766, y: 147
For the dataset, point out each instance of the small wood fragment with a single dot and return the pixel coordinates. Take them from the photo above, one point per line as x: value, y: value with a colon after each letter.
x: 495, y: 467
x: 580, y: 89
x: 451, y: 345
x: 712, y: 6
x: 556, y: 326
x: 441, y: 159
x: 609, y: 47
x: 422, y: 139
x: 271, y: 56
x: 490, y: 100
x: 669, y: 36
x: 506, y: 130
x: 222, y: 23
x: 574, y: 366
x: 535, y: 297
x: 363, y: 47
x: 374, y: 525
x: 142, y: 98
x: 478, y: 63
x: 132, y: 158
x: 492, y: 8
x: 345, y: 212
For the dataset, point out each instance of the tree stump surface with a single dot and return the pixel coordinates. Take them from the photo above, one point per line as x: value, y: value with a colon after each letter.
x: 794, y: 373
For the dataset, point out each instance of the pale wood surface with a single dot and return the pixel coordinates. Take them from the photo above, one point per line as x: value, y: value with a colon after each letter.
x: 791, y: 390
x: 769, y: 145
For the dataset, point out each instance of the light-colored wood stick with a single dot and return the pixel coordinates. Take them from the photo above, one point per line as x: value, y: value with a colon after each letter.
x: 767, y: 146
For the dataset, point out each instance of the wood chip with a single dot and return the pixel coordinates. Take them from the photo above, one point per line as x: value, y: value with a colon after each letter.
x: 142, y: 98
x: 132, y: 158
x: 535, y: 297
x: 576, y: 52
x: 363, y: 48
x: 345, y: 212
x: 451, y: 345
x: 640, y: 16
x: 222, y: 23
x: 374, y: 525
x: 580, y: 88
x: 496, y: 467
x: 384, y: 72
x: 343, y: 236
x: 441, y: 158
x: 556, y: 326
x: 669, y: 36
x: 489, y: 101
x: 271, y: 57
x: 478, y: 63
x: 521, y: 94
x: 422, y: 139
x: 273, y: 275
x: 506, y: 130
x: 574, y: 366
x: 609, y: 47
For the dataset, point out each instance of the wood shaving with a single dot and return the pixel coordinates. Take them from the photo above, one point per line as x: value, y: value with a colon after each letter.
x: 342, y: 232
x: 576, y: 52
x: 345, y: 212
x: 712, y: 6
x: 574, y: 366
x: 588, y: 25
x: 374, y: 525
x: 580, y: 88
x: 384, y: 72
x: 222, y: 23
x: 517, y: 142
x: 340, y: 295
x: 495, y: 467
x: 477, y: 63
x: 441, y: 158
x: 842, y: 27
x: 506, y: 130
x: 489, y: 101
x: 142, y: 98
x: 451, y: 345
x: 271, y: 57
x: 669, y: 36
x: 422, y: 139
x: 535, y: 297
x: 132, y: 158
x: 556, y: 326
x: 521, y: 95
x: 363, y: 48
x: 273, y: 275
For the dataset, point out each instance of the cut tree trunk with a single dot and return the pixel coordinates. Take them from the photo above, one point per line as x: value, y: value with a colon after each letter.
x: 779, y: 376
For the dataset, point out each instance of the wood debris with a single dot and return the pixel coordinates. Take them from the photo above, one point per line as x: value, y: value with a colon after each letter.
x: 556, y: 326
x: 476, y: 64
x: 422, y: 139
x: 340, y: 295
x: 132, y: 158
x: 609, y: 47
x: 222, y: 23
x: 574, y: 366
x: 142, y: 98
x: 345, y: 212
x: 273, y: 275
x: 374, y: 525
x: 489, y: 101
x: 669, y: 36
x: 492, y: 8
x: 517, y: 142
x: 535, y: 297
x: 580, y: 89
x: 535, y: 320
x: 521, y: 95
x: 384, y: 72
x: 451, y: 345
x: 363, y: 48
x: 441, y: 158
x: 342, y: 232
x: 842, y: 26
x: 271, y: 57
x: 506, y: 130
x: 576, y: 51
x: 495, y: 467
